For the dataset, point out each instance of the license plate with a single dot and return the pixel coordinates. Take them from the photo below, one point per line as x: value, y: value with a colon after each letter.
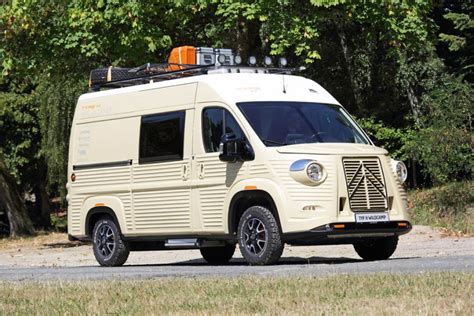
x: 371, y: 217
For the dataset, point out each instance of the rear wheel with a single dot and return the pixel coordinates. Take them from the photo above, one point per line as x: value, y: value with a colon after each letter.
x: 109, y: 248
x: 218, y: 255
x: 376, y: 249
x: 259, y: 236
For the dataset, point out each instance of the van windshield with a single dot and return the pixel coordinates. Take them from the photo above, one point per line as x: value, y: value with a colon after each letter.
x: 285, y: 123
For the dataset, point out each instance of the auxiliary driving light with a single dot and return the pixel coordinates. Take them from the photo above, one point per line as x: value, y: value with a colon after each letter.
x: 237, y: 59
x: 282, y: 62
x: 252, y: 61
x: 267, y: 61
x: 221, y: 59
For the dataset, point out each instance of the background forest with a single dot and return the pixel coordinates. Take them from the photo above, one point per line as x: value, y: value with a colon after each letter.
x: 404, y: 69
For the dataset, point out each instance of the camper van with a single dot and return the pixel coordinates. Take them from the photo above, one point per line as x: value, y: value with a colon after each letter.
x: 211, y: 156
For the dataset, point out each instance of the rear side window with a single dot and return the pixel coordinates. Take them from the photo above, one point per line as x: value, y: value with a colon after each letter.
x: 162, y: 137
x: 215, y: 123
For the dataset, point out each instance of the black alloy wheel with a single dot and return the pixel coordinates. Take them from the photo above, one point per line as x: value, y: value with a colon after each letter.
x: 109, y: 248
x: 259, y: 236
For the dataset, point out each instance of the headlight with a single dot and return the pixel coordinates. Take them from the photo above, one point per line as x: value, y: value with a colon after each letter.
x: 315, y: 172
x: 400, y: 170
x: 308, y: 172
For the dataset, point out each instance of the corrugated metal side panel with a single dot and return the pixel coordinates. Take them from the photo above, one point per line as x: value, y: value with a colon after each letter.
x: 212, y: 204
x: 162, y: 209
x: 74, y: 213
x: 256, y: 169
x: 101, y: 177
x: 159, y: 173
x: 127, y: 209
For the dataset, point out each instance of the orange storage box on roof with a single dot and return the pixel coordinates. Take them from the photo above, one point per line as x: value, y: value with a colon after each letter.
x: 182, y: 55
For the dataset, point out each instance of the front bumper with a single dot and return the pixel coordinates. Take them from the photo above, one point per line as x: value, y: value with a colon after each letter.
x: 347, y: 233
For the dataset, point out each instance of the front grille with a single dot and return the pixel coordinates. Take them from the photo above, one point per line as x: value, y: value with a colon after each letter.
x: 365, y: 184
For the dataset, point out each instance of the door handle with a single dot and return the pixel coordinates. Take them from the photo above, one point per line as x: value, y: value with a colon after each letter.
x: 201, y: 171
x: 185, y: 172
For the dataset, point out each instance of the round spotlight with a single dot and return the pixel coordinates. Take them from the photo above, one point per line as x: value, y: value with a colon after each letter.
x: 252, y: 60
x: 282, y: 62
x: 237, y: 60
x: 267, y: 61
x: 221, y: 59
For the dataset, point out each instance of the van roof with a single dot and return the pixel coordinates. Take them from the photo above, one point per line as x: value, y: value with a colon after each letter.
x: 236, y: 87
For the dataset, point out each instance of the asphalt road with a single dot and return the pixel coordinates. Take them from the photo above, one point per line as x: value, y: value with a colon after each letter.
x: 315, y: 266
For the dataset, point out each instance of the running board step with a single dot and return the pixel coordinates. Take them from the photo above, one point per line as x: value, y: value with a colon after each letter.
x: 182, y: 243
x: 193, y: 243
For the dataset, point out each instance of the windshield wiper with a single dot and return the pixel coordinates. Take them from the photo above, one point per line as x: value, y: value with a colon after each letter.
x: 273, y: 142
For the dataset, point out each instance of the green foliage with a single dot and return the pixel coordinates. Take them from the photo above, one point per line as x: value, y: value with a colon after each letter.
x: 450, y: 206
x: 20, y: 135
x: 57, y: 97
x: 443, y: 144
x: 391, y: 138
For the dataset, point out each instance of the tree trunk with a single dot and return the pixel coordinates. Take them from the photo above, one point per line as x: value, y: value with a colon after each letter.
x: 414, y: 104
x: 350, y: 69
x: 42, y: 205
x: 20, y: 223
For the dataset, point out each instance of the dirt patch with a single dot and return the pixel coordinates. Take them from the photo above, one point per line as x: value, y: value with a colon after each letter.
x: 55, y: 250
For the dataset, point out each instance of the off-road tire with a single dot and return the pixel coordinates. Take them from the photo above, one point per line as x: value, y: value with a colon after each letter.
x: 376, y: 249
x: 218, y: 255
x: 271, y: 252
x: 120, y: 250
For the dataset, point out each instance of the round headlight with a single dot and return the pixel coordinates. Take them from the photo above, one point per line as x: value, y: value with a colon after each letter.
x: 315, y: 172
x: 401, y: 171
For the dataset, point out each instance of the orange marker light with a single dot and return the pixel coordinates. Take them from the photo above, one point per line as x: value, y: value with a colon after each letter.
x: 402, y: 224
x: 250, y: 187
x: 99, y: 204
x: 339, y: 226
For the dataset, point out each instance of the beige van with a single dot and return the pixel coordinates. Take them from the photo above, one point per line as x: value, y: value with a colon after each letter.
x: 229, y: 157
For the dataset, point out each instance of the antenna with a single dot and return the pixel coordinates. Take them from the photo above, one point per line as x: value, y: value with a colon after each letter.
x: 284, y: 87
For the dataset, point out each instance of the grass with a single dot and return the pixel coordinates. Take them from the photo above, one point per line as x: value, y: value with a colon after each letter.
x: 450, y: 207
x: 377, y: 294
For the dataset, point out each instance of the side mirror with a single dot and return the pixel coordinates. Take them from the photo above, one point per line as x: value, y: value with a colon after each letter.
x: 233, y: 149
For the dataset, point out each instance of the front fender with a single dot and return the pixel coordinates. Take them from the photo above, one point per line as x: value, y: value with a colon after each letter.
x: 261, y: 184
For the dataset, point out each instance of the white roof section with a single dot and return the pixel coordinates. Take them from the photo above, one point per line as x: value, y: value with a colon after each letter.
x: 236, y: 87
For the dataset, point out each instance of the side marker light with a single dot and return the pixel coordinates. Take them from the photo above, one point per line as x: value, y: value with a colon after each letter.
x: 250, y: 187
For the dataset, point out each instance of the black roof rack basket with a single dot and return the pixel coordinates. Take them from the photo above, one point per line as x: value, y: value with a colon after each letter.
x: 116, y: 77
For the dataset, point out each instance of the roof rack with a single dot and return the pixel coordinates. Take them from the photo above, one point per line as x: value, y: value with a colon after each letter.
x: 148, y: 73
x: 183, y: 61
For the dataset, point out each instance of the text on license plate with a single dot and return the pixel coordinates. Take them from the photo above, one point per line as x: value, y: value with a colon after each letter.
x: 371, y: 217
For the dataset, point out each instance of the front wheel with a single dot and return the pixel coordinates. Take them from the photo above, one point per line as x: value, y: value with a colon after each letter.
x: 109, y: 248
x: 218, y: 255
x: 259, y: 236
x: 376, y: 249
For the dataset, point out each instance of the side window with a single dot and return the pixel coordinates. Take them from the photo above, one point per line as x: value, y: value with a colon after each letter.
x: 162, y: 137
x: 216, y: 122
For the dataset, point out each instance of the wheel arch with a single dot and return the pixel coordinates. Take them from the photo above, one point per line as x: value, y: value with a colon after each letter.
x: 242, y: 200
x: 98, y: 212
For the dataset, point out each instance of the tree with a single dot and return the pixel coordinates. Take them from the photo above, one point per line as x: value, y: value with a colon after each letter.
x: 20, y: 223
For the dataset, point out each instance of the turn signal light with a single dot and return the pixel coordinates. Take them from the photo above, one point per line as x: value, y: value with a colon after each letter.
x: 402, y: 224
x: 339, y: 226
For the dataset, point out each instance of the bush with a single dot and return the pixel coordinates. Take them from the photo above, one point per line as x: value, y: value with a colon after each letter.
x: 444, y: 140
